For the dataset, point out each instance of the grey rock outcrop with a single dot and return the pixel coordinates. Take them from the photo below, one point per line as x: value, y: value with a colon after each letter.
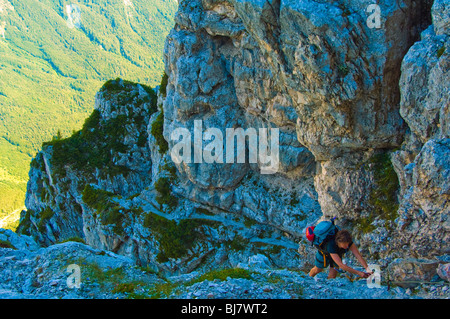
x: 321, y: 70
x: 73, y: 270
x: 411, y: 272
x: 362, y: 114
x: 109, y: 153
x: 68, y: 270
x: 112, y: 196
x: 218, y: 73
x: 422, y: 163
x: 444, y: 271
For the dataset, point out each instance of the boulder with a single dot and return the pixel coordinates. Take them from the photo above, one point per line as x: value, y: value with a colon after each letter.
x: 444, y: 271
x: 410, y: 272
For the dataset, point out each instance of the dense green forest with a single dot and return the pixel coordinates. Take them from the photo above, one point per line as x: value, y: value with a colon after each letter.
x: 54, y: 56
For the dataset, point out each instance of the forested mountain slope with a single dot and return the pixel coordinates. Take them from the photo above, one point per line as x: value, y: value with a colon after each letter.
x: 54, y: 56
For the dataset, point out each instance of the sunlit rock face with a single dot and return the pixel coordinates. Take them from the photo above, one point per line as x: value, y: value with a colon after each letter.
x: 355, y: 97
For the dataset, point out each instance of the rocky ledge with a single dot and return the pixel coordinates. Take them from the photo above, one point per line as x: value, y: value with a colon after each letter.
x: 29, y: 271
x: 363, y: 123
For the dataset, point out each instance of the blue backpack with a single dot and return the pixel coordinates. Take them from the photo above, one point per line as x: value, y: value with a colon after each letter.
x: 322, y: 233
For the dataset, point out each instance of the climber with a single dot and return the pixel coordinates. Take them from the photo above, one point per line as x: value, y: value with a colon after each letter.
x: 330, y: 254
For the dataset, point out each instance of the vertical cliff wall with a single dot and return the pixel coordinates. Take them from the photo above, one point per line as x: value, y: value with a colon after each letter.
x: 324, y: 71
x: 362, y: 114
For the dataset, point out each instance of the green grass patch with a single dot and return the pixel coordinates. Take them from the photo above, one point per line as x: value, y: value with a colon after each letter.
x: 94, y: 146
x: 163, y: 86
x: 383, y: 197
x: 166, y: 289
x: 129, y: 288
x: 441, y: 51
x: 238, y: 243
x: 223, y: 274
x: 6, y: 244
x: 114, y: 279
x: 165, y: 197
x: 157, y: 131
x: 162, y: 290
x: 107, y: 209
x: 46, y: 214
x: 73, y: 239
x: 175, y: 239
x: 25, y: 223
x: 343, y: 70
x: 168, y: 176
x: 98, y: 199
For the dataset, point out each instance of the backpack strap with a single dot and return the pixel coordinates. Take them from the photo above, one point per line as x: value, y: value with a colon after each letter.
x: 324, y: 258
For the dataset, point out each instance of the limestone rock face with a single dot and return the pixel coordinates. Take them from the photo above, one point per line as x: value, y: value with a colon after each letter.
x: 220, y: 74
x: 359, y: 111
x: 423, y: 161
x: 109, y: 184
x: 109, y: 153
x: 320, y: 71
x: 66, y: 271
